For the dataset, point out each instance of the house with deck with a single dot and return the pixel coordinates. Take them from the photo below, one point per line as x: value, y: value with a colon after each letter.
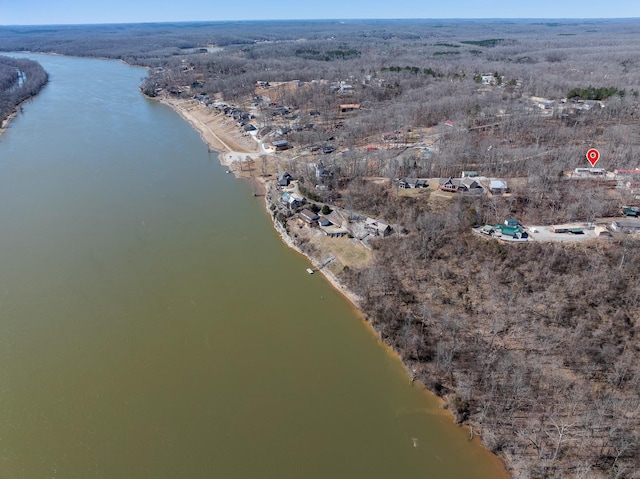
x: 377, y: 228
x: 460, y: 185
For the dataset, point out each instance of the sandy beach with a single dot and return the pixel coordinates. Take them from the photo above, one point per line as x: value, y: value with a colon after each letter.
x: 217, y: 130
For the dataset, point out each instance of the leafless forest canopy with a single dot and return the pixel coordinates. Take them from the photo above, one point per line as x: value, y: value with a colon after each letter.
x: 19, y: 80
x: 535, y: 345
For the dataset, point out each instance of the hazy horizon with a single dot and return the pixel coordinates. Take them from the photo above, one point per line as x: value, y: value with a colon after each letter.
x: 79, y: 12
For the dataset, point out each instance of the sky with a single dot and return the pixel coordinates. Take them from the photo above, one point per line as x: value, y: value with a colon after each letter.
x: 45, y: 12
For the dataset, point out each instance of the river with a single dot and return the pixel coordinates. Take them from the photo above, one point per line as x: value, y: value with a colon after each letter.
x: 153, y: 324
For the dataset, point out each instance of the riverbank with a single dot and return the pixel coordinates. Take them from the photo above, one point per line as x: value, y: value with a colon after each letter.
x: 226, y: 138
x: 4, y: 124
x: 217, y: 130
x: 222, y: 135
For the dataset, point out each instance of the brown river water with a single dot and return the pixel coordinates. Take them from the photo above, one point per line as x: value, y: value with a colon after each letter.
x: 153, y: 324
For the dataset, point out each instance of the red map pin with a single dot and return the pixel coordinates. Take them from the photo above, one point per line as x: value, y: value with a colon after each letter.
x: 593, y: 156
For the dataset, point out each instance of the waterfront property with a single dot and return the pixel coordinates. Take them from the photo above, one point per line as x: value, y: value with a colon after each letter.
x: 308, y: 217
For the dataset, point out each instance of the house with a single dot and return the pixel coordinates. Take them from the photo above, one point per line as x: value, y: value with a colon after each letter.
x: 309, y: 217
x: 471, y: 185
x: 281, y: 145
x: 335, y: 218
x: 377, y: 228
x: 515, y: 232
x: 498, y: 187
x: 345, y: 88
x: 545, y: 104
x: 334, y: 231
x: 412, y: 183
x: 290, y: 200
x: 284, y: 180
x: 451, y: 184
x: 322, y: 173
x: 632, y: 211
x: 586, y: 172
x: 626, y: 226
x: 333, y: 225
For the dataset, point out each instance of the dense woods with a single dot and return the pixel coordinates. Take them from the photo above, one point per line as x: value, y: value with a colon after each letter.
x: 20, y: 80
x: 537, y: 345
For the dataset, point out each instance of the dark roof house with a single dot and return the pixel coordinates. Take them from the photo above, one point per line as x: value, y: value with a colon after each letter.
x: 309, y: 217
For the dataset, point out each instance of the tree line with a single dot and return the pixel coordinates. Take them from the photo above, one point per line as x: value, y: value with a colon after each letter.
x: 20, y: 79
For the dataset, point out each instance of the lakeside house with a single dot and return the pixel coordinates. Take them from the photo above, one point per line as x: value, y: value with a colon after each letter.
x: 291, y: 201
x: 309, y: 217
x: 334, y: 225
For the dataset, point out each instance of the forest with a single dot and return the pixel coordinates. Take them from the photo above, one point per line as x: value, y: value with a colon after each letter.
x: 535, y: 346
x: 20, y: 80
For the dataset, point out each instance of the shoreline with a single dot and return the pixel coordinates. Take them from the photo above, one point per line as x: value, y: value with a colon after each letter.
x: 216, y: 131
x: 226, y: 144
x: 4, y: 124
x: 219, y: 142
